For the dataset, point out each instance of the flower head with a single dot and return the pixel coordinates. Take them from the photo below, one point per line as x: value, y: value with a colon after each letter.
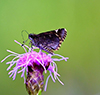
x: 34, y: 63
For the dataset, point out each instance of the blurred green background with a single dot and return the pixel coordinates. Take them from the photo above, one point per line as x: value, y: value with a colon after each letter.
x: 81, y: 18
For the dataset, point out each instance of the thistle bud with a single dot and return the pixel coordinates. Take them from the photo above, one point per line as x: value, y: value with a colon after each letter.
x: 34, y: 81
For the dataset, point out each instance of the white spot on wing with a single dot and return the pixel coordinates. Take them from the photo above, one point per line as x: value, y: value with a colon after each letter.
x: 56, y: 30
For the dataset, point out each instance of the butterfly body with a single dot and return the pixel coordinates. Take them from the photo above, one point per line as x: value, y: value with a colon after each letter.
x: 48, y: 41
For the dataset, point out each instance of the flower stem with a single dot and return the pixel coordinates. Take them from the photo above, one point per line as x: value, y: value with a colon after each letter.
x: 39, y: 92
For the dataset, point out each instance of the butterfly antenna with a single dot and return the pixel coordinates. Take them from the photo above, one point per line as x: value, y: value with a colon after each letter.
x: 24, y: 41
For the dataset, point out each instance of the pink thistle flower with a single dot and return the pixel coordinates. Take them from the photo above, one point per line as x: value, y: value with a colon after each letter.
x: 31, y: 62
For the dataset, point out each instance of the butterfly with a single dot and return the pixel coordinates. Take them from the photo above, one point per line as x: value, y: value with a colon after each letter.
x: 48, y: 41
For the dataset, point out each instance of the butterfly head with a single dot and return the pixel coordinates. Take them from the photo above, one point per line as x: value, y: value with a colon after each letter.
x: 32, y: 37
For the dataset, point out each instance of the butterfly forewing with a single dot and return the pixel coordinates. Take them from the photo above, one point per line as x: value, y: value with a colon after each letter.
x: 48, y: 39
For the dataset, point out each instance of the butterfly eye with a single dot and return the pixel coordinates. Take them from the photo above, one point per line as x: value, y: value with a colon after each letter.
x: 30, y: 36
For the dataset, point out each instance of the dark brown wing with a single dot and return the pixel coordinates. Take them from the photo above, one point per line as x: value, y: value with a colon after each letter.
x: 49, y: 41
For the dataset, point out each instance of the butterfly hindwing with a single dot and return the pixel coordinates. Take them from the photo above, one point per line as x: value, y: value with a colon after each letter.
x: 62, y: 33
